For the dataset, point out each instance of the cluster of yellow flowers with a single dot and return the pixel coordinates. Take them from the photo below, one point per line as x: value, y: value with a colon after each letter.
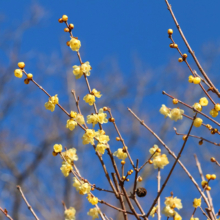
x: 159, y: 160
x: 197, y: 203
x: 174, y: 114
x: 153, y: 211
x: 92, y: 199
x: 94, y: 213
x: 170, y: 204
x: 215, y: 110
x: 50, y: 105
x: 70, y: 155
x: 66, y: 168
x: 195, y: 80
x: 74, y: 119
x: 69, y: 214
x: 120, y: 154
x: 81, y: 187
x: 90, y: 98
x: 97, y: 118
x: 79, y: 70
x: 75, y: 44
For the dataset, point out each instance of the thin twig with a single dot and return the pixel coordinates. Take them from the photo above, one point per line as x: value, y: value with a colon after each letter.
x: 158, y: 190
x: 28, y: 205
x: 203, y: 212
x: 5, y: 212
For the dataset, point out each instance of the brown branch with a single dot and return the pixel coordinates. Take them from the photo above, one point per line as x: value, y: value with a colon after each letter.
x: 28, y: 205
x: 203, y: 212
x: 5, y: 212
x: 158, y: 190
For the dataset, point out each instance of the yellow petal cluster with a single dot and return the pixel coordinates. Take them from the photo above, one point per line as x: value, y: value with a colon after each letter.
x: 70, y: 155
x: 102, y: 138
x: 167, y: 211
x: 97, y: 118
x: 153, y: 149
x: 197, y: 106
x: 120, y: 154
x: 80, y: 119
x: 50, y: 105
x: 88, y: 137
x: 217, y: 107
x: 197, y: 122
x: 79, y: 70
x: 85, y: 188
x: 66, y: 168
x: 57, y: 148
x: 96, y: 93
x: 173, y: 202
x: 75, y: 44
x: 90, y: 99
x: 18, y: 73
x: 176, y: 114
x: 92, y: 199
x: 71, y: 124
x: 197, y: 203
x: 195, y: 80
x: 94, y: 213
x: 76, y: 183
x: 194, y: 218
x: 73, y: 114
x: 203, y: 101
x: 160, y: 161
x: 177, y: 216
x: 165, y: 111
x: 213, y: 113
x: 70, y: 213
x: 101, y: 148
x: 153, y: 211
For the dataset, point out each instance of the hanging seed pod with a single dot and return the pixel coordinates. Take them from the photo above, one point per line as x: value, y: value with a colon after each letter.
x: 141, y: 192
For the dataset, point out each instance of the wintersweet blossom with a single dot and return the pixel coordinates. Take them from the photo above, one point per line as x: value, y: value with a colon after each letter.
x: 196, y: 80
x: 190, y: 79
x: 173, y: 202
x: 203, y: 101
x: 92, y: 199
x: 102, y: 138
x: 76, y: 183
x: 94, y: 213
x: 88, y: 137
x: 90, y: 99
x: 176, y: 114
x: 70, y: 155
x: 66, y: 168
x: 177, y: 216
x: 153, y: 149
x: 165, y: 111
x: 85, y: 68
x: 84, y: 189
x: 213, y: 113
x: 75, y: 44
x: 120, y: 154
x: 197, y: 106
x: 80, y: 119
x: 194, y: 218
x: 97, y: 118
x: 217, y: 107
x: 167, y: 211
x: 92, y: 119
x: 77, y: 72
x: 197, y: 203
x: 153, y: 211
x: 50, y: 105
x: 160, y: 161
x: 70, y: 213
x: 96, y: 93
x: 18, y: 73
x: 54, y: 99
x: 73, y: 114
x: 71, y: 124
x: 197, y: 122
x: 101, y: 148
x: 57, y: 148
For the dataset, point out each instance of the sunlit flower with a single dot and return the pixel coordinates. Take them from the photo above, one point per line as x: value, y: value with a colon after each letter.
x: 160, y: 161
x: 165, y: 111
x: 197, y: 122
x: 80, y: 119
x: 102, y: 138
x: 196, y: 80
x: 18, y: 73
x: 57, y: 148
x: 92, y: 199
x: 77, y: 71
x: 88, y: 137
x: 197, y: 106
x: 173, y: 202
x: 85, y: 68
x: 92, y: 119
x: 197, y: 203
x: 70, y: 213
x: 50, y: 106
x: 75, y: 44
x: 203, y: 101
x: 66, y: 168
x: 204, y: 183
x: 153, y: 211
x: 84, y: 189
x: 70, y: 155
x: 213, y: 113
x: 73, y: 114
x: 54, y: 99
x: 177, y: 216
x: 71, y: 124
x: 90, y: 99
x: 97, y: 118
x: 120, y: 154
x: 153, y: 149
x: 176, y: 114
x: 94, y: 213
x: 101, y: 148
x: 191, y: 78
x: 76, y: 183
x: 217, y: 107
x: 96, y: 93
x: 167, y: 211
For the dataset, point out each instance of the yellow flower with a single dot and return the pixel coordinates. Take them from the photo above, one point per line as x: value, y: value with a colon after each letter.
x: 49, y: 106
x: 191, y: 78
x: 153, y: 149
x: 197, y: 203
x: 177, y: 216
x: 88, y: 137
x: 90, y: 99
x: 18, y: 73
x: 160, y: 161
x: 57, y: 148
x: 77, y: 71
x: 92, y: 119
x: 173, y: 202
x: 84, y: 189
x: 96, y: 93
x: 153, y: 211
x: 54, y: 99
x: 70, y: 155
x: 85, y: 68
x: 80, y: 119
x: 165, y: 111
x: 71, y: 124
x: 73, y: 114
x: 203, y: 101
x: 75, y: 44
x: 176, y: 114
x: 217, y: 107
x: 66, y: 168
x: 197, y: 106
x: 120, y: 154
x: 70, y: 213
x: 94, y: 213
x: 197, y: 122
x: 196, y: 80
x: 213, y: 113
x: 194, y: 218
x: 167, y: 211
x: 204, y: 183
x: 97, y: 118
x: 93, y: 200
x: 101, y: 148
x: 76, y: 183
x: 102, y: 138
